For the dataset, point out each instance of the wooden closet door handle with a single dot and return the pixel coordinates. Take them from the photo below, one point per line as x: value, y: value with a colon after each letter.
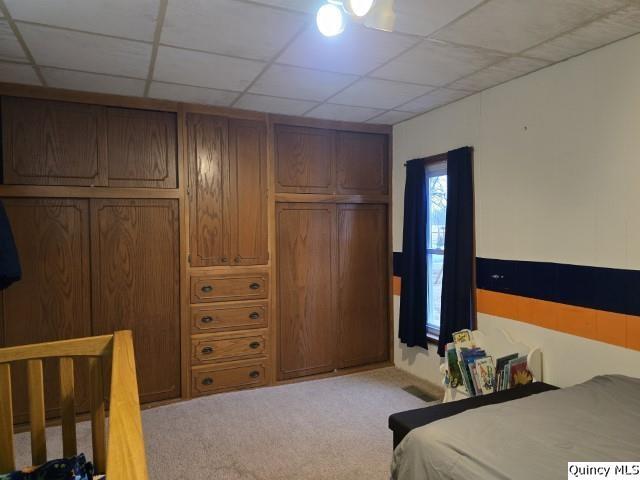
x: 254, y: 345
x: 207, y: 350
x: 206, y: 319
x: 254, y: 315
x: 207, y: 381
x: 206, y: 288
x: 254, y: 286
x: 254, y: 374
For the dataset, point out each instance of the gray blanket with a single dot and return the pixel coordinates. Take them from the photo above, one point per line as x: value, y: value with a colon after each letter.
x: 530, y: 438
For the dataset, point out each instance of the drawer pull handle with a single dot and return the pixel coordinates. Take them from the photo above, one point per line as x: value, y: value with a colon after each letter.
x: 207, y: 350
x: 254, y: 315
x: 207, y: 288
x: 254, y: 345
x: 206, y: 319
x: 254, y: 286
x: 224, y: 259
x: 237, y: 259
x: 207, y: 381
x: 254, y: 374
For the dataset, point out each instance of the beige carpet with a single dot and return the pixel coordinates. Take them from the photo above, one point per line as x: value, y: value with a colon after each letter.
x: 334, y: 428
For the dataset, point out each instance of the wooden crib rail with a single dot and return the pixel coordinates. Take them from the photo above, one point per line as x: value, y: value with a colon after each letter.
x: 126, y: 457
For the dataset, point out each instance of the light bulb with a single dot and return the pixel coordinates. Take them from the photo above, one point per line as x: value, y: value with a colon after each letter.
x: 330, y: 20
x: 359, y: 8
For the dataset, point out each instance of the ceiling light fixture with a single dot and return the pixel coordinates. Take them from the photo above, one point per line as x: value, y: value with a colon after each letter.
x: 330, y: 20
x: 359, y: 8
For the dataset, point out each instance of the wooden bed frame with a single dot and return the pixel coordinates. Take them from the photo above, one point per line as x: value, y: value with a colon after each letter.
x: 125, y: 455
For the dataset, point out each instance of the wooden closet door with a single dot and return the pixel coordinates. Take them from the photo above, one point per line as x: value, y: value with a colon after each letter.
x: 363, y: 294
x: 53, y: 143
x: 248, y: 191
x: 363, y: 163
x: 135, y: 274
x: 52, y: 300
x: 305, y: 160
x: 306, y: 277
x: 141, y: 148
x: 207, y: 145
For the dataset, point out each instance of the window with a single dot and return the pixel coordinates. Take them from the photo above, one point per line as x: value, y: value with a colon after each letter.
x: 436, y: 222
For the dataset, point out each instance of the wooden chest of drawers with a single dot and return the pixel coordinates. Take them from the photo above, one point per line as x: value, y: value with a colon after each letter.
x: 229, y: 324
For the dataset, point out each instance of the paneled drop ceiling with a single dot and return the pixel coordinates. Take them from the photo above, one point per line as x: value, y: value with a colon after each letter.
x: 267, y: 55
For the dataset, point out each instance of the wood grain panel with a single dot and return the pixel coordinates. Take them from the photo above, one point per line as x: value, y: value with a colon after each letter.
x: 363, y: 288
x: 304, y: 160
x: 136, y: 286
x: 228, y: 376
x: 52, y: 301
x: 247, y: 315
x: 52, y: 143
x: 306, y: 278
x: 248, y: 202
x: 362, y: 163
x: 228, y: 346
x: 141, y: 148
x: 207, y: 151
x: 220, y: 288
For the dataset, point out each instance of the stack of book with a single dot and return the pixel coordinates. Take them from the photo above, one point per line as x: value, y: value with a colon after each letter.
x: 473, y: 369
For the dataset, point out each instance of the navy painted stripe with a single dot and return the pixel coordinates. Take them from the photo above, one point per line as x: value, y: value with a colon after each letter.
x: 609, y: 289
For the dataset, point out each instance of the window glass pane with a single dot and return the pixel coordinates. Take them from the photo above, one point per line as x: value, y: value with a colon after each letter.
x: 437, y: 214
x: 436, y: 223
x: 435, y: 262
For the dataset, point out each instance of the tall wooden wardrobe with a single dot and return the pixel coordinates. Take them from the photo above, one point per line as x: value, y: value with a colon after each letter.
x: 242, y: 249
x: 332, y: 238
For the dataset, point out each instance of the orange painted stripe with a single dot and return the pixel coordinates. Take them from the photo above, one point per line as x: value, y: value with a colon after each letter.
x: 607, y: 327
x: 396, y: 285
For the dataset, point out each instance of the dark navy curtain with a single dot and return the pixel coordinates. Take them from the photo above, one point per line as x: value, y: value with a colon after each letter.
x: 457, y: 307
x: 413, y: 295
x: 9, y: 263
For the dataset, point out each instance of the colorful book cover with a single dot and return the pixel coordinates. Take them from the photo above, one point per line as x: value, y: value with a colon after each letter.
x: 455, y: 375
x: 500, y: 364
x: 474, y: 378
x: 466, y: 380
x: 462, y: 336
x: 519, y: 373
x: 485, y: 374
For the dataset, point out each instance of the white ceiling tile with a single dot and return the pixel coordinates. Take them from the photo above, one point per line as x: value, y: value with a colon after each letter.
x: 436, y: 63
x: 329, y: 111
x: 391, y: 117
x: 515, y: 25
x: 10, y: 48
x: 229, y: 27
x: 300, y: 83
x: 263, y: 103
x: 18, y: 73
x: 205, y: 69
x: 432, y: 100
x: 93, y: 82
x: 501, y: 72
x: 357, y: 50
x: 371, y: 92
x: 305, y: 6
x: 423, y: 17
x: 615, y: 26
x: 183, y: 93
x: 83, y: 51
x: 122, y: 18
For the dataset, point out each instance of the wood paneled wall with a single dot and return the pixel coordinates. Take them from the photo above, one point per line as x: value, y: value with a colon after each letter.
x: 213, y: 222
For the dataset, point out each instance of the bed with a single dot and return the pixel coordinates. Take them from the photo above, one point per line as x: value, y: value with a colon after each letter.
x: 122, y: 455
x: 529, y: 438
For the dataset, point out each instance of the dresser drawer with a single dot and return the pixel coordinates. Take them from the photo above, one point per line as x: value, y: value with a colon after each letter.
x: 225, y: 377
x: 222, y: 318
x: 226, y: 347
x: 219, y: 288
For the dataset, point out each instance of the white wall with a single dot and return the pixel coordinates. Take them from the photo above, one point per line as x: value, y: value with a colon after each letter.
x: 557, y: 179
